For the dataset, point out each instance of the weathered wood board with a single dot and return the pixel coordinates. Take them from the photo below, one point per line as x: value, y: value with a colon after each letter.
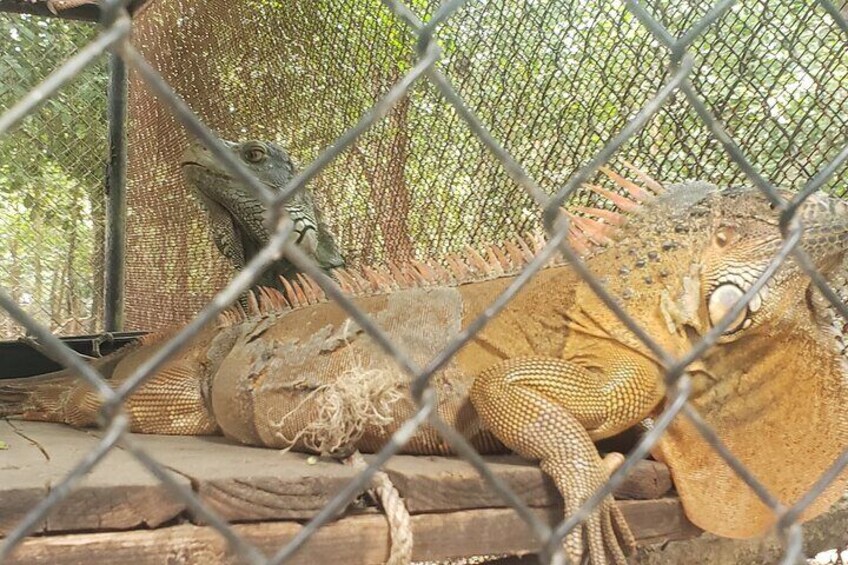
x: 432, y: 484
x: 119, y: 494
x: 362, y: 539
x: 454, y: 511
x: 241, y: 483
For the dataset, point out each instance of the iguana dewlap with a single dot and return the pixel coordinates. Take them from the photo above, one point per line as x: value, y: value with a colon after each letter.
x: 554, y: 371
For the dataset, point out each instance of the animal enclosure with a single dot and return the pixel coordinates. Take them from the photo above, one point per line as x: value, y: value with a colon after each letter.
x: 421, y: 128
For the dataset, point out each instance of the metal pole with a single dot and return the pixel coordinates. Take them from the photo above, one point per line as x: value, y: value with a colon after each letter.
x: 116, y: 189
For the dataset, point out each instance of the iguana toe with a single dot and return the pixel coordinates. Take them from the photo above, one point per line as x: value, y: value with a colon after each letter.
x: 604, y: 537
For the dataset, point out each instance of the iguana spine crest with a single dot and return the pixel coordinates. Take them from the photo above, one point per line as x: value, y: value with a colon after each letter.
x: 586, y: 234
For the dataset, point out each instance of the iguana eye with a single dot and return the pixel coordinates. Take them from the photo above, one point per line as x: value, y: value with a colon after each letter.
x: 721, y: 301
x: 254, y: 153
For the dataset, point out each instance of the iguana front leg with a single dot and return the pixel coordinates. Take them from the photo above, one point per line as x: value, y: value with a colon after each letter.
x: 545, y: 409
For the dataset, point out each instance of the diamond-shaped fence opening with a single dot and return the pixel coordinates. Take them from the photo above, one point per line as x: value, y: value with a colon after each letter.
x: 417, y: 138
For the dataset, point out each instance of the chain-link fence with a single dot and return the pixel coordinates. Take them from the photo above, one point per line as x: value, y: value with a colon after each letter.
x: 551, y: 82
x: 686, y: 46
x: 52, y: 211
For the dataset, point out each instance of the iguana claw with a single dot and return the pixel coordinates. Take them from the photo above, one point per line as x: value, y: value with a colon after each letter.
x: 604, y: 537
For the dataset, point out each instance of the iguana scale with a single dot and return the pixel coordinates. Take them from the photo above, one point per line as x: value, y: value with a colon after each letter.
x: 551, y: 373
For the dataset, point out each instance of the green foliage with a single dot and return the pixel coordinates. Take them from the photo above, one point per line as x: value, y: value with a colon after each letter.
x: 51, y: 178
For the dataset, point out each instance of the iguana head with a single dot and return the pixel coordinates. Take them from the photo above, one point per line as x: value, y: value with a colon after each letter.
x: 745, y: 237
x: 273, y: 167
x: 775, y: 386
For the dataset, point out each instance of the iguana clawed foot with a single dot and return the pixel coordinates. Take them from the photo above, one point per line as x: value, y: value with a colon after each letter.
x: 613, y: 540
x: 535, y: 423
x: 604, y: 537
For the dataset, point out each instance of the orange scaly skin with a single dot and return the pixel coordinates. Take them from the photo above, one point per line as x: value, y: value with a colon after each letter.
x: 550, y: 374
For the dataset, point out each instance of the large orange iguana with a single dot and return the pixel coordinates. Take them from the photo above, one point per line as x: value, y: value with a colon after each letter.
x: 551, y: 373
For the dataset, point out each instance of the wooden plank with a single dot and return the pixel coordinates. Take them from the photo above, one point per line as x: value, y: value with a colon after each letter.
x: 249, y: 484
x: 431, y: 484
x: 355, y: 540
x: 647, y: 480
x: 434, y: 484
x: 658, y: 521
x: 243, y: 483
x: 118, y: 494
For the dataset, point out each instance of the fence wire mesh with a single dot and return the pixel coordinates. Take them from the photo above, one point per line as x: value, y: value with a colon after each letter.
x: 552, y: 82
x: 52, y: 211
x: 758, y: 130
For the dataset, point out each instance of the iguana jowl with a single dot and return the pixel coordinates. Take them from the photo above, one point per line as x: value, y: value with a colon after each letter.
x: 237, y: 217
x: 554, y: 371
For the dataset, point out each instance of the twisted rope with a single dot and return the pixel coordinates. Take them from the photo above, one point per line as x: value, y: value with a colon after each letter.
x: 400, y: 523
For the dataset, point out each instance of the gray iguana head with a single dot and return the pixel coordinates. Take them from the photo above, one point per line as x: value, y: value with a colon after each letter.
x: 238, y: 218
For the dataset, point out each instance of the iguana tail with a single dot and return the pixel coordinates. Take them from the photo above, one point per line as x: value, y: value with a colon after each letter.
x: 61, y: 396
x: 14, y: 398
x: 173, y: 400
x: 55, y: 397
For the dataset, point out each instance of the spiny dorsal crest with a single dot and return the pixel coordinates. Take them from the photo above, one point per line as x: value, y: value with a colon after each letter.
x: 591, y: 227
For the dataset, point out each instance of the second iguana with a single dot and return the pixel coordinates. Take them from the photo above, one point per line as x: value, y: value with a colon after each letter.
x: 237, y: 218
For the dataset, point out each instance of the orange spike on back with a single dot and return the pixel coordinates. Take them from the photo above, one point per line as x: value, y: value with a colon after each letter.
x: 371, y: 277
x: 411, y: 275
x: 301, y: 296
x: 503, y: 260
x: 624, y: 203
x: 316, y: 288
x: 457, y: 267
x: 386, y: 279
x: 516, y: 255
x: 594, y: 230
x: 578, y: 240
x: 228, y: 317
x: 252, y: 303
x: 265, y: 304
x: 397, y: 274
x: 279, y: 299
x: 442, y: 272
x: 291, y: 293
x: 650, y: 182
x: 638, y: 193
x: 538, y: 242
x: 475, y: 260
x: 307, y: 288
x: 493, y: 264
x: 526, y: 251
x: 345, y: 282
x: 424, y: 270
